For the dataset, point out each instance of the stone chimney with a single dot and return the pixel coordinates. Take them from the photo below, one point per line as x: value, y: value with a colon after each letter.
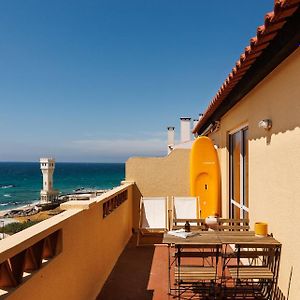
x: 185, y: 129
x: 171, y: 138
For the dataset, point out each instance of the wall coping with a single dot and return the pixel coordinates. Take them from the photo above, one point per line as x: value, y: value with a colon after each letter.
x: 17, y: 242
x: 24, y: 239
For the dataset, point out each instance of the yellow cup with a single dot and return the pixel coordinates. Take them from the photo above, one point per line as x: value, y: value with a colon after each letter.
x: 261, y: 229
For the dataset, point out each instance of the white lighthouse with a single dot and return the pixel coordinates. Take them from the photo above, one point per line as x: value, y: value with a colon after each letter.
x: 48, y: 194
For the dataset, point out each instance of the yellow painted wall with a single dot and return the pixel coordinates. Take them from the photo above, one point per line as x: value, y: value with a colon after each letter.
x: 91, y: 247
x: 159, y: 176
x: 274, y: 160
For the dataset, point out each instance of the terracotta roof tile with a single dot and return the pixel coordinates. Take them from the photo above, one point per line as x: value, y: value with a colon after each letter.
x: 273, y: 22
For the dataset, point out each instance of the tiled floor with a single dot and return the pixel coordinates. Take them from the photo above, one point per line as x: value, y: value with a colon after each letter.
x: 141, y: 273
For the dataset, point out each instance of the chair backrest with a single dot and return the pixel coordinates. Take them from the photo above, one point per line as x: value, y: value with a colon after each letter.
x: 233, y: 225
x: 201, y: 250
x: 154, y: 213
x: 258, y: 255
x: 186, y: 209
x: 195, y: 259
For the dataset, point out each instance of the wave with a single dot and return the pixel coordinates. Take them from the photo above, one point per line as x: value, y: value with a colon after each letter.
x: 11, y: 203
x: 7, y: 195
x: 7, y: 186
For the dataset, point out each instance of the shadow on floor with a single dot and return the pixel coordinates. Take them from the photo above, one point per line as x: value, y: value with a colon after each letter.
x: 141, y: 273
x: 130, y: 276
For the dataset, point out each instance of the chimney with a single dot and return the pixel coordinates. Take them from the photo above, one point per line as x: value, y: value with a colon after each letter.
x: 171, y: 138
x: 185, y: 129
x: 195, y: 122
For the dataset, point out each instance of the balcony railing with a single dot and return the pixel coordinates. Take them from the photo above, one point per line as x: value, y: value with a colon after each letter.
x: 79, y: 247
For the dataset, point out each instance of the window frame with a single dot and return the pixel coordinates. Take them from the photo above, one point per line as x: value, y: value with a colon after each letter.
x: 243, y: 132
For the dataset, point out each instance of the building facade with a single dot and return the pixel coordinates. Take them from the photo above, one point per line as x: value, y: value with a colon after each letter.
x: 258, y: 139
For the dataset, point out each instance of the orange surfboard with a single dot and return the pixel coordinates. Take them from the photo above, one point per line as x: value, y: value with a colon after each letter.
x: 205, y: 177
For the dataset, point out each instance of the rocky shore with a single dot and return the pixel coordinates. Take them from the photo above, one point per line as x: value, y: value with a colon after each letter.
x: 22, y: 212
x: 37, y: 211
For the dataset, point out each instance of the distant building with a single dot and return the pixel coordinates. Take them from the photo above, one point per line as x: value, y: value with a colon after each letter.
x: 186, y: 138
x: 48, y: 194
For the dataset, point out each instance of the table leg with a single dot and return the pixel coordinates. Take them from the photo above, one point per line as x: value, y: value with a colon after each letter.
x: 169, y: 270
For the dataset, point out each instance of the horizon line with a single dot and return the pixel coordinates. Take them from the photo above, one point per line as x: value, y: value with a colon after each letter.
x: 67, y: 162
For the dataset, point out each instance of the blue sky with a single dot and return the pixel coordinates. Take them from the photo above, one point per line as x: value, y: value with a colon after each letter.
x: 99, y: 81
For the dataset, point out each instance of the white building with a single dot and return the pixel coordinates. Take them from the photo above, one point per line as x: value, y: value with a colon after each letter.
x: 48, y: 194
x: 186, y: 137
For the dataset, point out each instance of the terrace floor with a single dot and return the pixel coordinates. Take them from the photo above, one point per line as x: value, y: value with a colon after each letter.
x: 141, y: 273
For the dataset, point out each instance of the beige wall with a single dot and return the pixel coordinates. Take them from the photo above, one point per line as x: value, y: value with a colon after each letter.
x: 274, y: 160
x: 159, y: 176
x: 91, y: 247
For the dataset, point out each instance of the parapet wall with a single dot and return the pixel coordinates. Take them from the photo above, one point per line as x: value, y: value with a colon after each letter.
x: 85, y: 240
x: 159, y: 176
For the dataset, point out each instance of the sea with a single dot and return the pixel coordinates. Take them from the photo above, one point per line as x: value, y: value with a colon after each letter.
x: 21, y: 182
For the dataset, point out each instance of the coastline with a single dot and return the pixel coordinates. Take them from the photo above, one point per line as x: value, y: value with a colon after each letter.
x: 40, y: 215
x: 22, y: 207
x: 20, y: 187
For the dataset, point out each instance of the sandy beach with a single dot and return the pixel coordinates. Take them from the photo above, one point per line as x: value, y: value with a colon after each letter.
x: 42, y: 215
x: 24, y: 207
x: 5, y: 221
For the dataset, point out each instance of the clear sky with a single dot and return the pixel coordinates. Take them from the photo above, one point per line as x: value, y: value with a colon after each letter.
x: 100, y: 81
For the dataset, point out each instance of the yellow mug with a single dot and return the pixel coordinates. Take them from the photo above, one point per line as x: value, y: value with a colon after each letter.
x: 261, y: 229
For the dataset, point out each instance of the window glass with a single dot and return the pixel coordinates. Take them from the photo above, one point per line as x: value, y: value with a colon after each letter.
x: 236, y: 148
x: 246, y: 171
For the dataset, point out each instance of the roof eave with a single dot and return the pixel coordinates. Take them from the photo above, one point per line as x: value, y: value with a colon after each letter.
x: 234, y: 88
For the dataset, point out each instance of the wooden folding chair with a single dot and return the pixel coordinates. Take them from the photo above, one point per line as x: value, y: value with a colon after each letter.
x: 197, y: 270
x: 256, y: 270
x: 233, y: 225
x: 153, y: 216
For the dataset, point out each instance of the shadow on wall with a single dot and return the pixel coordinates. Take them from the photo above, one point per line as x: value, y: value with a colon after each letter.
x: 256, y: 133
x: 136, y: 200
x: 277, y: 99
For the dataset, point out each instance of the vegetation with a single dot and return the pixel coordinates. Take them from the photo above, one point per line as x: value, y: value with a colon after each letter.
x: 40, y: 216
x: 27, y: 221
x: 16, y: 226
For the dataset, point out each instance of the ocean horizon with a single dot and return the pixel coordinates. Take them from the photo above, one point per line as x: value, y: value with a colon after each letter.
x: 21, y: 182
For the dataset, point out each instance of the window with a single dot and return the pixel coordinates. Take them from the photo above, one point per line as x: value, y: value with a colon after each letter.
x: 238, y: 174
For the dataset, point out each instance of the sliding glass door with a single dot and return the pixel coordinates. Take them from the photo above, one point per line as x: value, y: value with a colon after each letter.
x: 238, y: 174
